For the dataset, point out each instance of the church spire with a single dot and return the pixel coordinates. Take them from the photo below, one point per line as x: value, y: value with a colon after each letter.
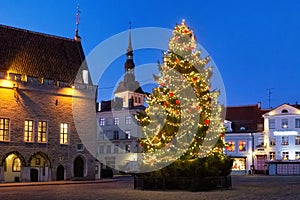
x: 129, y: 64
x: 129, y: 48
x: 76, y: 36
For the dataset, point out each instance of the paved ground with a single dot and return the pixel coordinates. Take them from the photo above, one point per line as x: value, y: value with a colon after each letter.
x: 244, y: 187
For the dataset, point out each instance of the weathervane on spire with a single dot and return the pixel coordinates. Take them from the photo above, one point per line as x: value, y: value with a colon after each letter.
x: 77, y: 37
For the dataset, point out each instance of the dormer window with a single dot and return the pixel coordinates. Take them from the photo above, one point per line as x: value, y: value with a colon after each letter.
x: 85, y: 76
x: 284, y: 111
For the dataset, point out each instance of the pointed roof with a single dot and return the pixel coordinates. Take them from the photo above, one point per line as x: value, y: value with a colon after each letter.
x: 129, y: 64
x: 40, y: 55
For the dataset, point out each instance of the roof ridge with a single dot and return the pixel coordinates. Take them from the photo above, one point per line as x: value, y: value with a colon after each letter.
x: 37, y: 33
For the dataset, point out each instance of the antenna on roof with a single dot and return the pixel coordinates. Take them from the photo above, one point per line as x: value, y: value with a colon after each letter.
x: 269, y: 96
x: 77, y: 37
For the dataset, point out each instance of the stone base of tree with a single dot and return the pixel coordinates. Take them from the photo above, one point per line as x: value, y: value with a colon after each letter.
x: 181, y: 183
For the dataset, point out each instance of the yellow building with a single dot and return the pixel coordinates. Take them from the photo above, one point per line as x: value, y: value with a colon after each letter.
x: 41, y: 76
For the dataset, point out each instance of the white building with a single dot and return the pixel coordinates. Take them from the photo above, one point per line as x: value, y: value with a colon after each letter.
x: 119, y: 131
x: 282, y: 139
x: 244, y: 134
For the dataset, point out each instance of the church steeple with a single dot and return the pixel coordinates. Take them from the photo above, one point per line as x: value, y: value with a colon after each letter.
x: 76, y: 36
x: 129, y: 64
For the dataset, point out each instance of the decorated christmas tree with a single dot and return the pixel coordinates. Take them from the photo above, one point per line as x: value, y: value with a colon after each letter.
x: 183, y: 120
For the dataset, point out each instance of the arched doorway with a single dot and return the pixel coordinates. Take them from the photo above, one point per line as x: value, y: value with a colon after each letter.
x: 60, y: 173
x: 34, y: 175
x: 41, y: 163
x: 78, y: 166
x: 13, y: 163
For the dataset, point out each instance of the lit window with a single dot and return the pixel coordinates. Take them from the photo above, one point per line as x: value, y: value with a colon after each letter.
x: 24, y: 78
x: 297, y: 155
x: 297, y: 123
x: 271, y: 123
x: 272, y: 155
x: 284, y: 123
x: 272, y: 141
x: 42, y: 131
x: 28, y: 131
x: 127, y: 120
x: 127, y: 135
x: 116, y: 135
x: 285, y: 155
x: 64, y: 133
x: 242, y: 145
x: 102, y: 121
x: 127, y: 148
x: 297, y: 140
x: 16, y: 165
x: 231, y: 146
x: 116, y: 121
x: 4, y: 129
x: 285, y: 140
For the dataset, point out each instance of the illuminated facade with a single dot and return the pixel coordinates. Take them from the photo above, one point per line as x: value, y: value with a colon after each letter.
x: 244, y: 134
x: 40, y: 77
x: 282, y: 139
x: 119, y: 131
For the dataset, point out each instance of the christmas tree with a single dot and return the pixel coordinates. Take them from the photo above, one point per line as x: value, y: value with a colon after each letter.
x: 183, y: 119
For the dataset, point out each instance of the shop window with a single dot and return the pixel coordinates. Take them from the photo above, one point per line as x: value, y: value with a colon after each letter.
x: 272, y: 155
x: 297, y: 140
x: 285, y: 155
x: 297, y: 155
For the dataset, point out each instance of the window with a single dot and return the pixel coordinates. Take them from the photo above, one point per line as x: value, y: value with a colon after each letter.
x: 284, y: 123
x: 4, y: 129
x: 135, y: 99
x: 297, y: 140
x: 80, y: 147
x: 127, y: 135
x: 116, y: 135
x: 116, y: 121
x: 101, y: 149
x: 28, y: 131
x: 127, y: 148
x: 297, y: 155
x: 108, y: 149
x: 297, y: 123
x: 231, y: 146
x: 285, y: 140
x: 242, y: 145
x: 42, y: 131
x: 101, y: 136
x: 16, y: 165
x: 64, y: 133
x: 127, y: 120
x: 116, y: 148
x: 102, y: 121
x: 271, y: 123
x: 272, y: 155
x: 139, y: 99
x: 272, y: 141
x: 285, y: 155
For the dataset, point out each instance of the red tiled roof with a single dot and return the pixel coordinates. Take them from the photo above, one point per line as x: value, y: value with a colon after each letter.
x: 39, y: 55
x: 249, y: 117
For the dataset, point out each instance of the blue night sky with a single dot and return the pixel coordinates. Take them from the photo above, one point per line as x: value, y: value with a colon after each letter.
x: 255, y: 44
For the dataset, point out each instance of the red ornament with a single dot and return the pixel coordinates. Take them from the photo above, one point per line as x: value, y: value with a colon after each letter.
x: 207, y: 121
x: 177, y: 102
x: 176, y: 61
x: 167, y: 79
x: 185, y: 31
x: 162, y: 84
x: 222, y: 135
x: 197, y: 108
x: 165, y: 104
x: 195, y: 79
x: 171, y: 94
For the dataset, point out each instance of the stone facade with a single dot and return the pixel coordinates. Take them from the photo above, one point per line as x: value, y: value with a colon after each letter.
x: 39, y: 135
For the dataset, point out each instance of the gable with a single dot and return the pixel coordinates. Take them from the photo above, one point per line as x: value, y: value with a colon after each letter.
x: 284, y: 109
